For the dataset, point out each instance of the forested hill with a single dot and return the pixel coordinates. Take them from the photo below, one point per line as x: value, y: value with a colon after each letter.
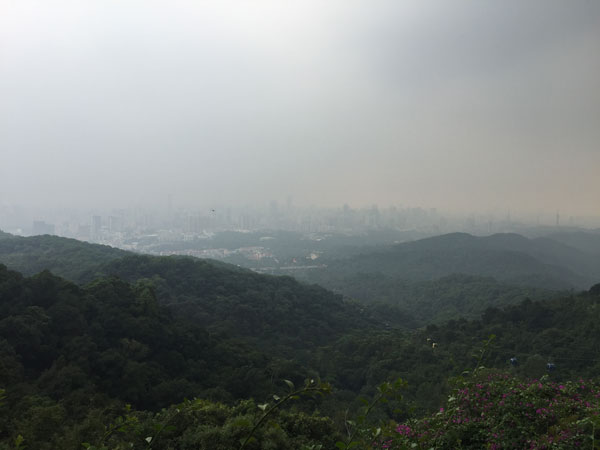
x: 587, y: 241
x: 564, y: 332
x: 508, y: 258
x: 205, y: 289
x: 276, y: 311
x: 113, y: 335
x: 69, y: 258
x: 434, y: 301
x: 151, y: 330
x: 69, y: 352
x: 222, y: 296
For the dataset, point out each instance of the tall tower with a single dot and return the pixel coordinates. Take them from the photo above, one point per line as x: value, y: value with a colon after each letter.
x: 96, y: 227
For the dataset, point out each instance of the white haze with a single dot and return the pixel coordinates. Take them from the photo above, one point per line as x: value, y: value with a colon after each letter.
x: 459, y: 105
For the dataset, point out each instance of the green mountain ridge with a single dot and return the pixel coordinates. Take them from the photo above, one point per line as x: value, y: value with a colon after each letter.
x: 152, y: 330
x: 508, y: 258
x: 112, y: 341
x: 226, y: 299
x: 386, y: 297
x: 69, y: 258
x: 585, y: 241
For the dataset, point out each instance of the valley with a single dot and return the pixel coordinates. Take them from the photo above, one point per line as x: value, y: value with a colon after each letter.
x: 152, y: 331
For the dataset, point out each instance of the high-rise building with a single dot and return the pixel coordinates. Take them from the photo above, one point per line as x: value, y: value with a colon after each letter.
x: 96, y: 227
x: 114, y: 224
x: 41, y: 227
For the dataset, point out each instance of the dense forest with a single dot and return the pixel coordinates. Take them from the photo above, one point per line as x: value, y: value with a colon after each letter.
x: 135, y: 351
x: 376, y: 278
x: 508, y: 258
x: 69, y: 258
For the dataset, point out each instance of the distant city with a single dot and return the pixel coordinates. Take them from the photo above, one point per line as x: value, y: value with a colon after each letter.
x: 137, y: 228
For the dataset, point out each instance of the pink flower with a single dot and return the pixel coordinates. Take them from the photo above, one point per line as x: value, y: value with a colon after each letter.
x: 403, y: 429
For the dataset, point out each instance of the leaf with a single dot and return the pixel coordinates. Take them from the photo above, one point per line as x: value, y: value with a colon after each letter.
x: 340, y: 445
x: 242, y: 423
x: 399, y: 383
x: 290, y: 384
x: 250, y: 439
x: 384, y: 387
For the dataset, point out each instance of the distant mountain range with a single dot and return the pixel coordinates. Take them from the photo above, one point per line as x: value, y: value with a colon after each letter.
x: 405, y: 285
x: 150, y: 330
x: 587, y: 241
x: 510, y: 258
x: 223, y: 297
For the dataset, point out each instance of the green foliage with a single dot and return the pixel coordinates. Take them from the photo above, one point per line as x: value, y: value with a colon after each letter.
x: 84, y: 351
x: 271, y: 311
x: 360, y: 433
x: 69, y: 258
x: 310, y: 388
x: 202, y: 424
x: 152, y: 332
x: 564, y: 331
x: 509, y: 258
x: 498, y: 411
x: 431, y: 301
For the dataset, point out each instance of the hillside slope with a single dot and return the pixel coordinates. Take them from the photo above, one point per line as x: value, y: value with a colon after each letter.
x: 227, y: 298
x: 69, y: 352
x: 384, y: 281
x: 68, y: 258
x: 276, y: 311
x: 587, y: 241
x: 509, y: 258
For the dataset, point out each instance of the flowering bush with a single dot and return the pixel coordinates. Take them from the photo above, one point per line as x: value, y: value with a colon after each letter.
x: 495, y: 410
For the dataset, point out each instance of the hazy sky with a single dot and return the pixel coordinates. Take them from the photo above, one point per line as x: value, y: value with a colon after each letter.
x: 466, y: 105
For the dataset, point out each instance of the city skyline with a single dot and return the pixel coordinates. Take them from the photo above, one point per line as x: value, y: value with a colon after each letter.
x: 97, y: 224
